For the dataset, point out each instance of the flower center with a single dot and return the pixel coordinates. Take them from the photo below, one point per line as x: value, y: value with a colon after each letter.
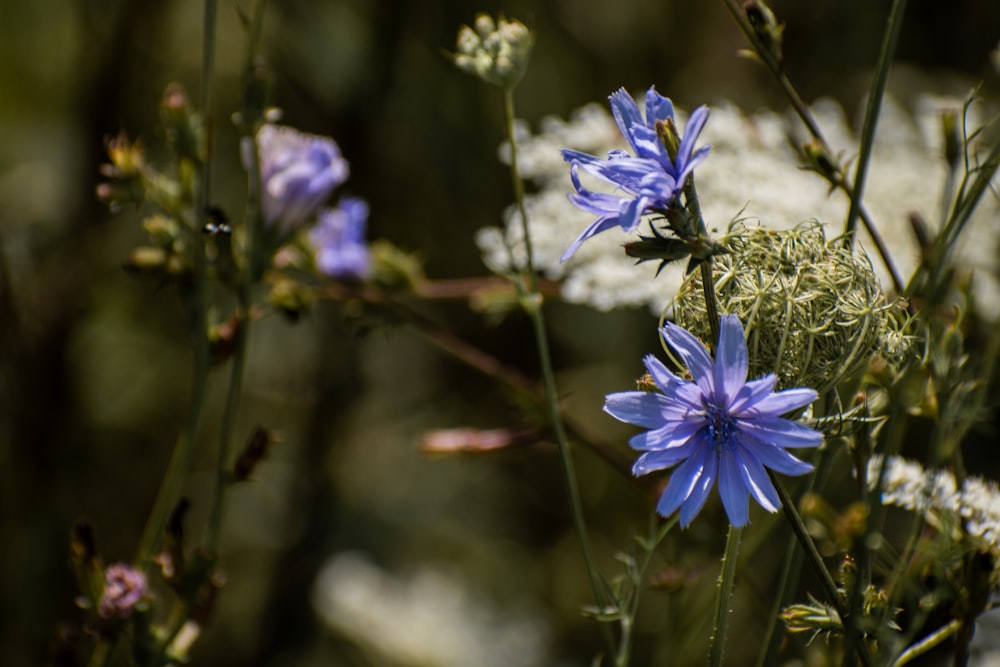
x: 721, y: 427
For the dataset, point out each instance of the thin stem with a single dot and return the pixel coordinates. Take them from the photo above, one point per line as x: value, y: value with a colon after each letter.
x: 202, y: 198
x: 518, y: 186
x: 532, y: 302
x: 816, y: 560
x: 707, y: 281
x: 791, y: 572
x: 624, y: 654
x: 180, y: 459
x: 813, y: 128
x: 889, y: 41
x: 253, y: 264
x: 724, y: 595
x: 711, y: 303
x: 927, y: 643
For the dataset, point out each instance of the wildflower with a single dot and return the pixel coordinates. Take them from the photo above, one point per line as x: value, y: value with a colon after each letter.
x: 339, y: 240
x: 298, y: 172
x: 652, y: 176
x: 124, y: 587
x: 720, y: 426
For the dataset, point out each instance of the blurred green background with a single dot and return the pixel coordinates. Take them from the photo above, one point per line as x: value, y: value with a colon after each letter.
x: 94, y: 365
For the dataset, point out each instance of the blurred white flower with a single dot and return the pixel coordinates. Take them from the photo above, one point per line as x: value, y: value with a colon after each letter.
x: 426, y: 619
x: 934, y: 493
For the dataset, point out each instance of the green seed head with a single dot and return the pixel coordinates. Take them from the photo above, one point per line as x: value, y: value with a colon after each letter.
x: 813, y: 312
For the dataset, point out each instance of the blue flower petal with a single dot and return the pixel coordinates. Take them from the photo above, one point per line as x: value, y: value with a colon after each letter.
x: 681, y: 392
x: 684, y: 479
x: 699, y: 494
x: 658, y: 107
x: 733, y: 490
x: 636, y: 407
x: 694, y: 126
x: 776, y: 458
x: 784, y: 401
x: 752, y: 393
x: 694, y: 355
x: 626, y: 113
x: 596, y: 227
x: 669, y: 436
x: 756, y: 480
x: 781, y: 432
x: 658, y: 460
x: 731, y: 360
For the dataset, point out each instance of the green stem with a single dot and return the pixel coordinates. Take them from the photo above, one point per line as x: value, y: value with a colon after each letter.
x: 628, y: 621
x: 724, y: 596
x: 791, y: 572
x: 532, y: 302
x: 875, y: 95
x: 816, y: 560
x: 253, y: 264
x: 813, y: 128
x: 180, y: 460
x: 707, y: 280
x: 927, y: 643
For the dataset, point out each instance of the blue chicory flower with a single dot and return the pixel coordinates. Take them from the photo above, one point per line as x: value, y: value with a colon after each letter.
x: 298, y: 172
x: 719, y: 427
x: 339, y: 240
x: 648, y: 177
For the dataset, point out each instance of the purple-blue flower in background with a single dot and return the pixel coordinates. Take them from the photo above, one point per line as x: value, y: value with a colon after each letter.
x: 339, y: 240
x: 649, y: 178
x: 718, y: 428
x: 298, y: 171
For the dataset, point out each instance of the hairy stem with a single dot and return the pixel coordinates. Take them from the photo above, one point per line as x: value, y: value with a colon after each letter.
x: 724, y: 595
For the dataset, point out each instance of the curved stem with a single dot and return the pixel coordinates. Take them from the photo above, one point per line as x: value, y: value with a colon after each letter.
x: 816, y: 560
x: 927, y: 643
x: 724, y: 596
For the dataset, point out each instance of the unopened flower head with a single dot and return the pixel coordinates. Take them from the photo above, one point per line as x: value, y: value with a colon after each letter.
x: 814, y: 311
x: 650, y: 178
x: 298, y: 172
x: 339, y: 240
x: 719, y: 427
x: 495, y: 51
x: 124, y: 588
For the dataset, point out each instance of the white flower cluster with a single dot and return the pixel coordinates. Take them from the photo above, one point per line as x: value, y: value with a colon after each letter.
x: 935, y: 493
x: 424, y: 620
x: 753, y: 171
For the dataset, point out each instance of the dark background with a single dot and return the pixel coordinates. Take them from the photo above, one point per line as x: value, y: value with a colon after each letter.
x: 94, y: 365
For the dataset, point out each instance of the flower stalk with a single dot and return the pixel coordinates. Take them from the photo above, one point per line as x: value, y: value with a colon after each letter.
x: 724, y: 595
x: 532, y: 300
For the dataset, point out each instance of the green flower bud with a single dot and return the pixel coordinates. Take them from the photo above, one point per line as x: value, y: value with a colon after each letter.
x: 495, y: 51
x: 813, y: 312
x: 766, y: 27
